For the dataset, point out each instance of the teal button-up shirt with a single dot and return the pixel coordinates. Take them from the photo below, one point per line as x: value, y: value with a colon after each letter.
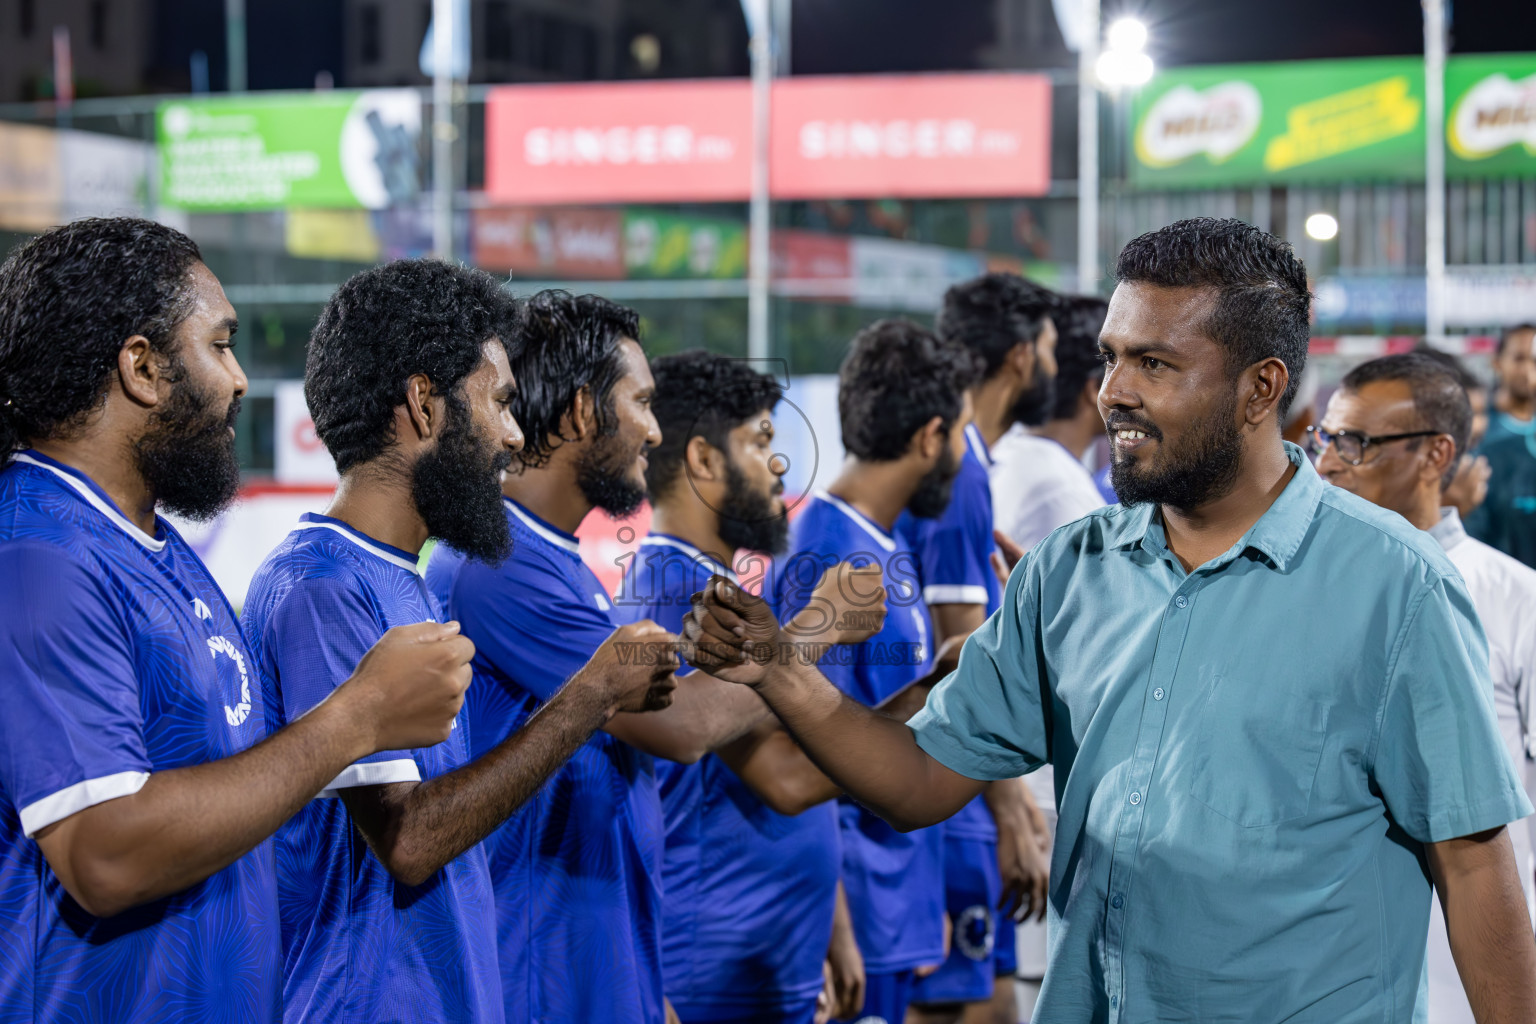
x: 1249, y: 757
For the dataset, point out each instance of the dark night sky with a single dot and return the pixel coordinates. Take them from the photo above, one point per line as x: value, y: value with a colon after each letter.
x: 292, y: 39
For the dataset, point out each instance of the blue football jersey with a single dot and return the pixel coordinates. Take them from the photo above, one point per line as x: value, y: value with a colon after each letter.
x: 954, y: 562
x: 358, y: 945
x: 747, y: 893
x: 894, y: 880
x: 577, y: 871
x: 119, y: 657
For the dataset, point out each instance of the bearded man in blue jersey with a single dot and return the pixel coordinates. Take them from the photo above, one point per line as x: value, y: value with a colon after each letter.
x: 384, y: 889
x: 755, y: 926
x: 138, y: 780
x: 903, y: 404
x: 577, y: 872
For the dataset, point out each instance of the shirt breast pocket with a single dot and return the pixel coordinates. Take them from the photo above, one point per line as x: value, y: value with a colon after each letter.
x: 1258, y: 754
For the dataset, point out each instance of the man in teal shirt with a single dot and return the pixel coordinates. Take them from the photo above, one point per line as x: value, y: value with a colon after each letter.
x: 1266, y: 701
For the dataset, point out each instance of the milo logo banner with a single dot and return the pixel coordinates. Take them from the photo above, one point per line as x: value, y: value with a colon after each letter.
x: 1490, y: 115
x: 1303, y: 121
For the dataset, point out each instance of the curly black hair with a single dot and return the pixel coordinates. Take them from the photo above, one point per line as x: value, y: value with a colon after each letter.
x: 384, y: 326
x: 898, y: 376
x: 701, y: 394
x: 69, y: 298
x: 1262, y: 306
x: 993, y: 313
x: 1079, y: 319
x: 569, y: 342
x: 1439, y: 398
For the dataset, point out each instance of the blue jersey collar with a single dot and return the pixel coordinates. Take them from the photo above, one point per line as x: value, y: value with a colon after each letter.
x: 868, y: 525
x: 97, y: 498
x: 677, y: 543
x: 377, y: 548
x: 978, y: 445
x: 556, y: 536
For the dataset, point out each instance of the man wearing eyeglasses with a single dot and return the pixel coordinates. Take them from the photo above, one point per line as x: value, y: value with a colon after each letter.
x: 1266, y: 700
x: 1393, y: 434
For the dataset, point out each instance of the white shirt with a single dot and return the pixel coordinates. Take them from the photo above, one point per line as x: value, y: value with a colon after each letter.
x: 1504, y: 593
x: 1037, y: 486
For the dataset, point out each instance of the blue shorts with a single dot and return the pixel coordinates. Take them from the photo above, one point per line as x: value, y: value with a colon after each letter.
x: 1005, y: 951
x: 799, y: 1015
x: 885, y: 999
x: 972, y: 887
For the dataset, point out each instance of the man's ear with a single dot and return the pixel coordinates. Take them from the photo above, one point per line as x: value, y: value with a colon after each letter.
x: 702, y: 460
x: 1021, y: 359
x: 930, y: 438
x: 581, y: 418
x: 424, y: 408
x: 1439, y: 456
x: 140, y: 370
x: 1265, y: 382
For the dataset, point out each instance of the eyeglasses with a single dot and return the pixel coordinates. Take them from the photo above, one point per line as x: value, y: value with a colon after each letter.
x: 1350, y: 445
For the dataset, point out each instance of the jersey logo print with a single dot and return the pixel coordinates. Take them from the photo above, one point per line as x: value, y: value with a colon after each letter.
x: 236, y: 715
x: 602, y: 602
x: 201, y: 609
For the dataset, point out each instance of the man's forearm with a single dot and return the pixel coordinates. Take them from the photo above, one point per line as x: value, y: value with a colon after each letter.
x: 1488, y: 927
x: 868, y: 753
x: 416, y: 829
x: 706, y: 713
x: 189, y: 823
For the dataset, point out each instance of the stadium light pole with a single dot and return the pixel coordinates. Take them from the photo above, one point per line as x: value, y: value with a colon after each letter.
x: 760, y: 47
x: 1434, y: 170
x: 444, y: 26
x: 234, y: 43
x: 1088, y: 152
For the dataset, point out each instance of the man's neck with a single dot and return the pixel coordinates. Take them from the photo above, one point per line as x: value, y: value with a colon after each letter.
x: 380, y: 504
x: 111, y: 466
x: 993, y: 403
x: 1199, y: 535
x: 880, y: 490
x: 550, y: 492
x: 1425, y: 513
x: 1075, y: 434
x: 1518, y: 408
x: 689, y: 519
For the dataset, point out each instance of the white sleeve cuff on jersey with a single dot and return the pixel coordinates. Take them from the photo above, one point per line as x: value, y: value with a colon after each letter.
x: 373, y: 773
x: 955, y: 594
x: 39, y: 814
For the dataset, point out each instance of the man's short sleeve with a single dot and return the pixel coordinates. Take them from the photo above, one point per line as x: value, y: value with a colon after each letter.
x: 1440, y: 763
x: 986, y: 720
x: 71, y: 728
x: 531, y: 625
x: 314, y: 638
x: 955, y: 550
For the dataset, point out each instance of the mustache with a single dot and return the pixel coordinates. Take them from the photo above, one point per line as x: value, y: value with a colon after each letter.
x: 1125, y: 421
x: 233, y: 414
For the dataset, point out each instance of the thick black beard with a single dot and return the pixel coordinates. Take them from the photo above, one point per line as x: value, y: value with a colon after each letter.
x: 748, y: 519
x: 187, y: 456
x: 457, y: 490
x: 1203, y: 467
x: 1035, y: 404
x: 932, y: 495
x: 602, y: 473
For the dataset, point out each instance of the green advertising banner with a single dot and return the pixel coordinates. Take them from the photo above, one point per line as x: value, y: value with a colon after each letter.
x: 1490, y: 115
x: 667, y: 245
x: 322, y: 149
x: 1301, y: 121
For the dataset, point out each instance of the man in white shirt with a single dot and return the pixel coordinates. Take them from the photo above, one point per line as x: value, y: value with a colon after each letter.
x: 1393, y: 434
x: 1038, y: 478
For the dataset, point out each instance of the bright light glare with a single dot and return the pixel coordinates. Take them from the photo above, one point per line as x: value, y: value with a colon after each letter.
x: 1323, y: 227
x: 1118, y: 68
x: 1126, y: 34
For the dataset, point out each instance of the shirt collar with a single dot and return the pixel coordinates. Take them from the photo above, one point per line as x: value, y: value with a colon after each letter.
x: 1277, y: 535
x: 97, y: 498
x: 556, y: 536
x: 868, y: 525
x: 657, y: 540
x: 377, y: 548
x: 978, y: 445
x: 1448, y: 531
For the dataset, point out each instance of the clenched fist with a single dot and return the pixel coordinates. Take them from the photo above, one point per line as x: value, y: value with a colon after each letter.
x: 410, y: 685
x: 633, y: 668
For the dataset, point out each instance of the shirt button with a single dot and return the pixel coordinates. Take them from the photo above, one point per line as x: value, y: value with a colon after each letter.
x: 1157, y: 694
x: 1114, y: 1001
x: 1181, y: 601
x: 1117, y: 902
x: 1135, y: 799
